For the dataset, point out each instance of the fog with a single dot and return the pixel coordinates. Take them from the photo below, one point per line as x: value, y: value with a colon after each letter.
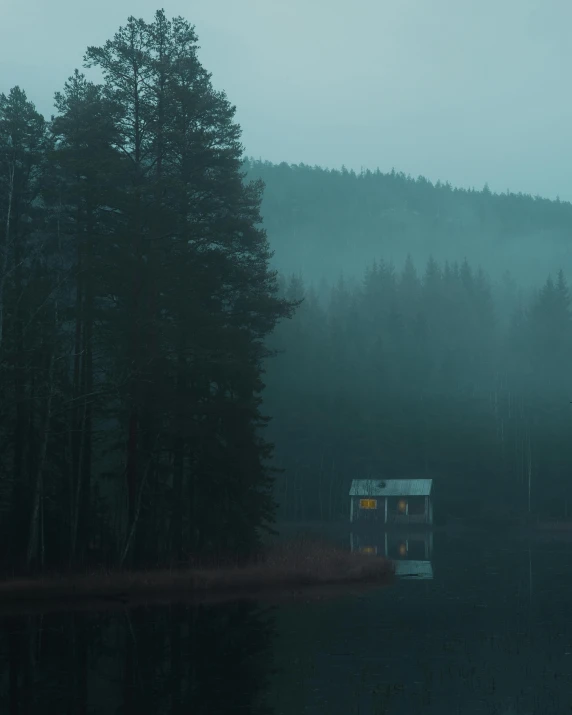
x: 468, y: 93
x: 285, y: 316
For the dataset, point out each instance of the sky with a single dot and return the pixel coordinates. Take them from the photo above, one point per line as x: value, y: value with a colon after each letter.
x: 465, y: 91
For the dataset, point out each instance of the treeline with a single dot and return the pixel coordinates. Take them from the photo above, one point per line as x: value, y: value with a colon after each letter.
x: 411, y: 375
x: 135, y: 298
x: 325, y: 221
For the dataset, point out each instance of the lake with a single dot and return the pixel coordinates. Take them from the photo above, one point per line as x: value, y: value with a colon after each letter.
x: 486, y: 628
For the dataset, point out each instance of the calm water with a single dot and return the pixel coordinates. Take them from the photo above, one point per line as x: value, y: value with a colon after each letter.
x: 491, y: 632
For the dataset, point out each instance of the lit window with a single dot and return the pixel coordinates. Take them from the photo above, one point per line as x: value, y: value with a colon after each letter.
x: 368, y: 503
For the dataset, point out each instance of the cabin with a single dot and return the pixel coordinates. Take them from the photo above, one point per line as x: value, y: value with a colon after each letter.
x: 392, y: 501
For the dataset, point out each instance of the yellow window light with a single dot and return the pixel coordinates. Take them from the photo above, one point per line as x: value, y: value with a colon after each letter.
x: 368, y: 503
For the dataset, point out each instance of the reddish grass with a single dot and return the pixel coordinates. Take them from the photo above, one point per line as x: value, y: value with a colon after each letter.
x: 284, y: 568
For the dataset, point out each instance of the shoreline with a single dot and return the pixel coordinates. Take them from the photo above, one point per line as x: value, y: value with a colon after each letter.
x: 294, y: 570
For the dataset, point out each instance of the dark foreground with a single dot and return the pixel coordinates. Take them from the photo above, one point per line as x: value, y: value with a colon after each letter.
x: 287, y: 569
x: 488, y: 631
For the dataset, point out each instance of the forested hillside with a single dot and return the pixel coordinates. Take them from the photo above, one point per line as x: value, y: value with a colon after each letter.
x: 414, y: 374
x: 435, y: 337
x: 323, y: 222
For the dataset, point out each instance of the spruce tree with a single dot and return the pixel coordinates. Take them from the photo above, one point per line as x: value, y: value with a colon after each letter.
x: 84, y: 205
x: 197, y: 297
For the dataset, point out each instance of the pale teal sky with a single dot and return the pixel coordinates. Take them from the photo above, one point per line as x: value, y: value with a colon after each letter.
x: 461, y: 90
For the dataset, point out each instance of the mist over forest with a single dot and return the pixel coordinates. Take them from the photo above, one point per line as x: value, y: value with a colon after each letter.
x: 284, y: 429
x: 434, y: 338
x: 194, y: 344
x: 325, y: 222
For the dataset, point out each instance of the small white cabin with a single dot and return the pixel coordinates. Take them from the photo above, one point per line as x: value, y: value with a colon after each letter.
x: 392, y: 501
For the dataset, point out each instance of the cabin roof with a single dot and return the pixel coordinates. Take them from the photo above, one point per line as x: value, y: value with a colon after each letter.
x: 391, y: 487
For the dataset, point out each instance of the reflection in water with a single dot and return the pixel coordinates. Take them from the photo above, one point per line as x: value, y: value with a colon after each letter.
x: 413, y: 569
x: 200, y: 659
x: 470, y: 641
x: 476, y: 639
x: 411, y: 552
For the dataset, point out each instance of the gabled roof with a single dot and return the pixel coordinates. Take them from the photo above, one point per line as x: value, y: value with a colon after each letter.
x: 391, y: 487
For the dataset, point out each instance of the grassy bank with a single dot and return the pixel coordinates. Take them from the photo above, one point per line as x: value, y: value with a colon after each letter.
x: 284, y: 568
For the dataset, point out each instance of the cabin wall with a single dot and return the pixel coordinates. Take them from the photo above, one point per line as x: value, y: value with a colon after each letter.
x: 418, y: 510
x: 359, y: 514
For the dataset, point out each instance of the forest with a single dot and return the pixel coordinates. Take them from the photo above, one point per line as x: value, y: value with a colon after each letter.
x: 325, y: 221
x: 193, y: 343
x: 434, y: 339
x: 135, y: 298
x: 433, y: 373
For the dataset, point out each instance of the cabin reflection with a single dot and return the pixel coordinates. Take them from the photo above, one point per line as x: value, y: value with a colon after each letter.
x: 411, y: 552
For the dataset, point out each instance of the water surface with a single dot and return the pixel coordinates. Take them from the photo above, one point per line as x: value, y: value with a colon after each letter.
x: 490, y: 632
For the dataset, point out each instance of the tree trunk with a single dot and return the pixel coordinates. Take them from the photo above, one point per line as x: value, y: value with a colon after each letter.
x: 76, y: 434
x: 38, y: 487
x: 5, y: 249
x: 21, y: 478
x: 133, y: 528
x: 77, y: 488
x: 320, y: 495
x: 85, y: 457
x: 178, y: 459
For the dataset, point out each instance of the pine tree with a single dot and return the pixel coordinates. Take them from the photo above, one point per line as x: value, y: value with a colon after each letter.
x: 196, y: 292
x: 84, y: 205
